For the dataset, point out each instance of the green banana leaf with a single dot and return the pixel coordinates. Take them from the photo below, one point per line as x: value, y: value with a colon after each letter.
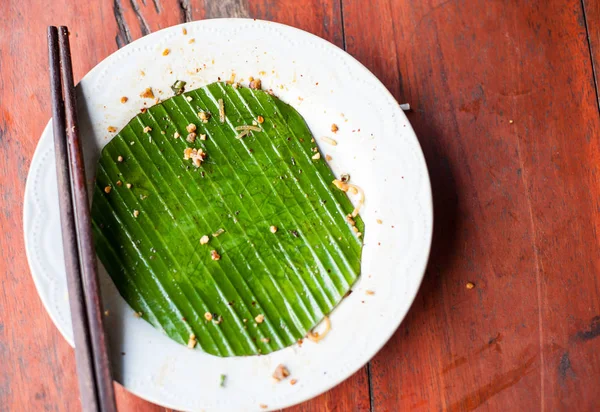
x: 151, y: 208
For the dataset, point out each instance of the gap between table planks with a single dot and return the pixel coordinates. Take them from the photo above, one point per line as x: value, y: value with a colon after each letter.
x: 505, y: 107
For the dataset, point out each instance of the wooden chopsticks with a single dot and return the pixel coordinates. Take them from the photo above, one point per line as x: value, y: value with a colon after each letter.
x: 91, y: 354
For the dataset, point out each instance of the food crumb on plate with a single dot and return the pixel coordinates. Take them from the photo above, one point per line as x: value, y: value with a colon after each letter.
x: 293, y: 382
x: 329, y: 140
x: 147, y: 93
x: 192, y: 341
x: 379, y: 221
x: 255, y: 84
x: 280, y: 373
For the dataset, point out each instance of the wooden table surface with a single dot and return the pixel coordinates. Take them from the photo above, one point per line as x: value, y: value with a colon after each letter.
x: 506, y: 109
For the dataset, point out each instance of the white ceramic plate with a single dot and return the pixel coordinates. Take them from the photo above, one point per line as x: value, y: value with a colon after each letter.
x: 376, y: 145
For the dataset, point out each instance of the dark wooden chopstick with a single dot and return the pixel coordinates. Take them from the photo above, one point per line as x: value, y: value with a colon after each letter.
x: 83, y: 352
x: 93, y: 366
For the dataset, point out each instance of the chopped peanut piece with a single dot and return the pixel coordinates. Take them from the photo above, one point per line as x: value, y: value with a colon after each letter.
x: 124, y: 99
x: 119, y: 183
x: 197, y: 155
x: 204, y: 116
x: 202, y: 137
x: 147, y: 129
x: 119, y: 159
x: 208, y: 316
x: 328, y: 158
x: 176, y: 135
x: 192, y: 341
x: 259, y: 318
x: 138, y: 314
x: 191, y: 137
x: 293, y: 382
x: 204, y: 240
x: 334, y: 128
x: 128, y: 185
x: 184, y: 31
x: 273, y: 229
x: 147, y: 93
x: 369, y: 292
x: 379, y: 221
x: 166, y: 52
x: 255, y: 83
x: 470, y: 285
x: 281, y: 372
x: 260, y: 119
x: 265, y: 340
x: 111, y: 129
x: 107, y: 189
x: 316, y: 156
x: 262, y: 406
x: 136, y: 213
x: 214, y: 255
x: 190, y: 128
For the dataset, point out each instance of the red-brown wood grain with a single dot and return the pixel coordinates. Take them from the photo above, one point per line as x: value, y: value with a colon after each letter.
x: 505, y: 107
x: 591, y: 9
x: 38, y: 369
